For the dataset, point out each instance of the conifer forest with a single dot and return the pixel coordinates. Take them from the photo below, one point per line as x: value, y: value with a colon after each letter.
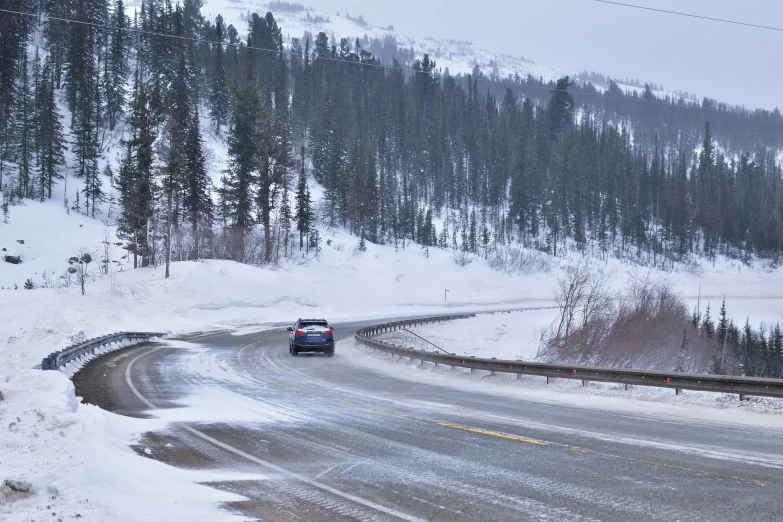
x: 321, y: 133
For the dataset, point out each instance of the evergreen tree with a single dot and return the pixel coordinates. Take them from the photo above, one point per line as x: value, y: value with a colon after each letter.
x: 286, y: 216
x: 135, y: 178
x: 219, y: 96
x: 26, y: 124
x: 560, y: 110
x: 116, y: 65
x: 723, y: 324
x: 197, y: 199
x: 239, y: 179
x: 93, y: 188
x: 708, y: 325
x: 51, y: 140
x: 304, y: 211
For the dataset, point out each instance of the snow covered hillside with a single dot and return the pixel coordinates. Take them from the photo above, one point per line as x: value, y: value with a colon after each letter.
x: 342, y: 283
x: 457, y: 56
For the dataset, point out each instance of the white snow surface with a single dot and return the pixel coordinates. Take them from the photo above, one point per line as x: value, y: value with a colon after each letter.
x: 77, y: 457
x: 78, y: 461
x: 511, y: 335
x: 641, y: 401
x: 457, y: 56
x: 342, y: 284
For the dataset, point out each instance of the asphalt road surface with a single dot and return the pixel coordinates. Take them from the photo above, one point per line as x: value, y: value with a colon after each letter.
x: 339, y: 441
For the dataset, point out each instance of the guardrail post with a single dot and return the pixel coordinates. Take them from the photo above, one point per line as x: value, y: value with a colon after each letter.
x: 519, y: 376
x: 626, y: 386
x: 677, y: 391
x: 547, y: 379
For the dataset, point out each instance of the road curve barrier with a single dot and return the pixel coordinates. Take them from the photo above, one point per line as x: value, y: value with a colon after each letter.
x: 77, y: 352
x: 742, y: 386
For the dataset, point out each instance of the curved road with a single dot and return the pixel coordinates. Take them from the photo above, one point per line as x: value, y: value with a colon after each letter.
x: 340, y: 441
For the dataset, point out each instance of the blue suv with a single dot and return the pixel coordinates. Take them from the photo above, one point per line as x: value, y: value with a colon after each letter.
x: 311, y: 335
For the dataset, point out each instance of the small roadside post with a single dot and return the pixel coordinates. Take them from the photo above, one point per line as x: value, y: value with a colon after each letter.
x: 445, y: 294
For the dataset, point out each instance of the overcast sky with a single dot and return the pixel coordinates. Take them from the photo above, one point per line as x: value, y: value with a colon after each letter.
x: 736, y: 64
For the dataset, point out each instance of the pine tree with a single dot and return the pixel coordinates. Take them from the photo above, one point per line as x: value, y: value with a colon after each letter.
x: 723, y: 324
x: 776, y: 343
x: 50, y: 135
x: 5, y: 207
x: 14, y: 35
x: 116, y: 66
x: 683, y: 350
x: 26, y: 125
x: 304, y: 211
x: 93, y: 188
x: 708, y: 325
x: 239, y: 179
x: 197, y: 199
x: 285, y: 216
x: 85, y: 108
x: 219, y: 96
x: 172, y: 178
x: 135, y: 178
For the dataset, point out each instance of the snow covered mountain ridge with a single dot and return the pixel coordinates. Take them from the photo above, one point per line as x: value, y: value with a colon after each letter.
x: 456, y: 55
x: 297, y: 19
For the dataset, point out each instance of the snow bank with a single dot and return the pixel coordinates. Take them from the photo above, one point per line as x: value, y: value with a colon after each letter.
x: 638, y: 400
x: 78, y: 462
x: 76, y: 457
x: 512, y: 335
x: 342, y: 284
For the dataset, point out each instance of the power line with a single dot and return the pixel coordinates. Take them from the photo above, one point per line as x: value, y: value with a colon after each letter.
x: 734, y: 22
x: 385, y: 67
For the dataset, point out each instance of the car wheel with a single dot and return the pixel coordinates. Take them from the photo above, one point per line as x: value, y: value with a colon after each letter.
x: 330, y: 353
x: 295, y: 352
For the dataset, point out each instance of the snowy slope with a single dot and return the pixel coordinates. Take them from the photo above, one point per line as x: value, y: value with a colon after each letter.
x: 458, y: 56
x: 342, y: 284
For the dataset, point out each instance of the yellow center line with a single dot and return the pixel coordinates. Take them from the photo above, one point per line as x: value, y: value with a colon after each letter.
x: 495, y: 434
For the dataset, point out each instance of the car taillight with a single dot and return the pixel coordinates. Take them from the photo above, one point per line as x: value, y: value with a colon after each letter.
x: 328, y: 332
x: 299, y: 332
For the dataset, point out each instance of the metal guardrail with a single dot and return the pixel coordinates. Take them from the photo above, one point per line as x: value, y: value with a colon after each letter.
x: 742, y: 386
x: 57, y: 360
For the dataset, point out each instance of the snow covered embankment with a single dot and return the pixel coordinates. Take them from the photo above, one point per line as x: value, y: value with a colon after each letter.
x: 75, y: 459
x: 503, y: 335
x: 516, y: 336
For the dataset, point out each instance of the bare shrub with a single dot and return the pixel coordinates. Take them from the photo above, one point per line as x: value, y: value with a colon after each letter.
x: 513, y: 260
x: 82, y: 266
x: 106, y: 248
x: 648, y: 328
x: 462, y: 258
x: 585, y: 303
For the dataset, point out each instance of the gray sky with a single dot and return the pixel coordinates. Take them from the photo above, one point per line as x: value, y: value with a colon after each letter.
x: 735, y: 64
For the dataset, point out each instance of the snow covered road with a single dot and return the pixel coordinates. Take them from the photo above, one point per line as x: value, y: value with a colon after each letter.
x: 342, y: 438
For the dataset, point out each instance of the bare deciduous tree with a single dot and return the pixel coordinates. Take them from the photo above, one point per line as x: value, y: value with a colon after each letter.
x: 584, y: 298
x: 82, y: 266
x: 106, y: 248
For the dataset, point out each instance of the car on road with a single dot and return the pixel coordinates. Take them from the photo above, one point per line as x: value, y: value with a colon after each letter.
x: 311, y: 335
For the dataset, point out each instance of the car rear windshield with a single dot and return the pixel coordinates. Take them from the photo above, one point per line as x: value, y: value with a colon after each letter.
x: 313, y: 323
